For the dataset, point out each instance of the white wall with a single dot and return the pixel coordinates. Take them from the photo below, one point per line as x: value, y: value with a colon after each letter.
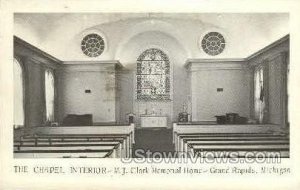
x: 206, y: 77
x: 125, y: 95
x: 100, y: 79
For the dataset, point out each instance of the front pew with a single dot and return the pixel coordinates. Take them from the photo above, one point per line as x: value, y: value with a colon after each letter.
x: 91, y: 133
x: 180, y: 129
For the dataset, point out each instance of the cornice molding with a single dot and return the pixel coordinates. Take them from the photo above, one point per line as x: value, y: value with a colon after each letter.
x: 40, y: 56
x: 92, y: 66
x: 267, y: 48
x: 215, y: 64
x: 103, y: 62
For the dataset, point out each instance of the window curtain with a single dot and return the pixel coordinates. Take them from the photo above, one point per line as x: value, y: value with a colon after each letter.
x: 259, y: 94
x: 49, y: 95
x: 18, y: 95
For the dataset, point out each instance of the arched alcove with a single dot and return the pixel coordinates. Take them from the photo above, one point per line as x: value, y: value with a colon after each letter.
x: 131, y: 51
x: 153, y: 76
x: 156, y: 27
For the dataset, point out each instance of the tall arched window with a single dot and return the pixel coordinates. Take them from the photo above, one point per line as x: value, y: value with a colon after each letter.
x: 18, y: 95
x: 259, y: 94
x: 153, y: 75
x: 49, y: 94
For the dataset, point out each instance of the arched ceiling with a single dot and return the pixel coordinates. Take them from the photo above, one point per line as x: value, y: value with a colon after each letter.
x: 151, y: 39
x: 126, y: 33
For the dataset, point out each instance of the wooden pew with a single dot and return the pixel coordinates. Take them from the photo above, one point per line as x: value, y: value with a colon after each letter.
x: 194, y: 143
x: 84, y: 130
x: 240, y: 146
x: 80, y: 135
x: 114, y: 147
x: 79, y: 139
x: 64, y: 154
x: 41, y: 142
x: 180, y: 129
x: 181, y: 138
x: 217, y: 129
x: 241, y: 139
x: 241, y: 150
x: 282, y: 153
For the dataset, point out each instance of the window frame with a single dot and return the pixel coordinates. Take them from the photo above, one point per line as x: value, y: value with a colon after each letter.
x: 52, y: 71
x: 22, y: 66
x: 164, y: 97
x: 265, y: 70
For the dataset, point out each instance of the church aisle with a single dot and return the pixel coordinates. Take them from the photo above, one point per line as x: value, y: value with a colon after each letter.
x: 156, y: 140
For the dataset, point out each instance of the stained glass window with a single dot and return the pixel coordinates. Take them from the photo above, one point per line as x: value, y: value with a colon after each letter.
x: 153, y: 75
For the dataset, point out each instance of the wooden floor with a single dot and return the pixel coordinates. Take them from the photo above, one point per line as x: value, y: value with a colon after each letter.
x: 154, y: 140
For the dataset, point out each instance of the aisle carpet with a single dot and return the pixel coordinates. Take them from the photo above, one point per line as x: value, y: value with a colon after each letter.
x: 157, y: 140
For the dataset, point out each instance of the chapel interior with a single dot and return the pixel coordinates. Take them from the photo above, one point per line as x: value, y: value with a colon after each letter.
x: 131, y: 81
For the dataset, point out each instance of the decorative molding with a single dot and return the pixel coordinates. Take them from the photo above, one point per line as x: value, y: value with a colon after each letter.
x: 221, y: 60
x: 267, y: 48
x: 215, y: 64
x: 25, y: 49
x: 92, y: 66
x: 92, y: 62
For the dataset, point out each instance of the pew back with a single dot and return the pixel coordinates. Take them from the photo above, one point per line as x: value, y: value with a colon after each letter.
x: 226, y: 138
x: 110, y: 141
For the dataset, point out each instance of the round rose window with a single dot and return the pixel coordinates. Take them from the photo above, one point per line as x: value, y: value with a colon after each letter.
x: 213, y: 43
x: 92, y: 45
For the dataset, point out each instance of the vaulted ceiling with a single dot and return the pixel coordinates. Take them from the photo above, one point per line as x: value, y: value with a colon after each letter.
x: 126, y: 35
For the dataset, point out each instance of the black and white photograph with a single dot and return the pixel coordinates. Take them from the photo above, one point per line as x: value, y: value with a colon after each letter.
x: 149, y: 95
x: 111, y: 85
